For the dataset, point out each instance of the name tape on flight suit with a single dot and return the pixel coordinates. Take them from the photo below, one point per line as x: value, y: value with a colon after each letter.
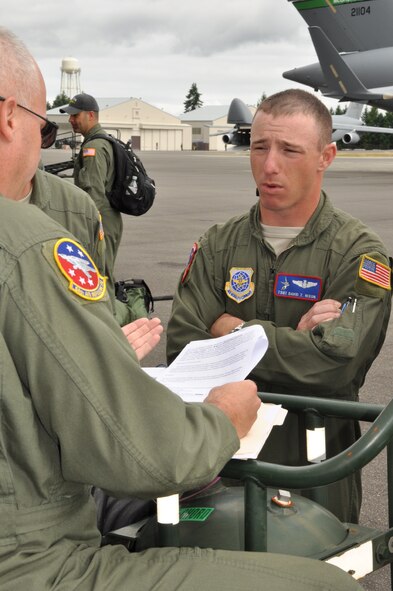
x: 298, y: 287
x: 80, y: 270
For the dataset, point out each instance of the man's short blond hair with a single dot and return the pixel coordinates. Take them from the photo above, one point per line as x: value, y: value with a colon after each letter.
x: 294, y: 101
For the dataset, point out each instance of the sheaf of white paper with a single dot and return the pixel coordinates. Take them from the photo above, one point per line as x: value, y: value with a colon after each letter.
x: 214, y: 362
x: 269, y: 415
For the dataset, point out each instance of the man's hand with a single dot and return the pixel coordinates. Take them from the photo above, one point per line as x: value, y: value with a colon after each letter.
x: 239, y: 401
x: 320, y: 312
x: 224, y: 325
x: 143, y: 335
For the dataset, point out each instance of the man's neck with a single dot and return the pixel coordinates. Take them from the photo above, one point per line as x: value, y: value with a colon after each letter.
x: 90, y: 130
x: 292, y: 217
x: 17, y: 193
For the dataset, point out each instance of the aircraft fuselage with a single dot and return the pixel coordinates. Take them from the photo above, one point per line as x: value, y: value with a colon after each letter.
x: 369, y: 66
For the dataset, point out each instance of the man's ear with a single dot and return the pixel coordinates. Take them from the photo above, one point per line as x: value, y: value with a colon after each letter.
x: 328, y: 155
x: 7, y: 118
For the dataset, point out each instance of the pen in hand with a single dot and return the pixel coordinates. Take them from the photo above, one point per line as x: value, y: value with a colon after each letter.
x: 345, y: 304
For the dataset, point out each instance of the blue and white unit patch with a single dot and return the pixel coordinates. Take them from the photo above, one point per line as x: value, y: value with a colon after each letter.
x: 298, y: 287
x: 79, y: 269
x: 240, y: 287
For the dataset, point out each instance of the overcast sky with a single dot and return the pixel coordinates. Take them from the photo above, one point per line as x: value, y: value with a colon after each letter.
x: 155, y: 49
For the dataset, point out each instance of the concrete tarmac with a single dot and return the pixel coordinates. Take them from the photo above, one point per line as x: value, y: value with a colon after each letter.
x: 198, y: 189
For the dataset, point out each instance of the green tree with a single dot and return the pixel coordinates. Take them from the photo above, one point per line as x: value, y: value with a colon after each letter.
x: 339, y: 110
x: 261, y: 99
x: 376, y: 141
x: 373, y: 117
x: 193, y: 99
x: 61, y: 99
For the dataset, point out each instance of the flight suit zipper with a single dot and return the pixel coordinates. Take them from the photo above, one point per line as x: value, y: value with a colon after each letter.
x: 269, y: 304
x: 274, y: 264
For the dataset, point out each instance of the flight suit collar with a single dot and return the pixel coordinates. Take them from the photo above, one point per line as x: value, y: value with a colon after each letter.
x: 318, y: 222
x: 41, y: 192
x: 93, y: 131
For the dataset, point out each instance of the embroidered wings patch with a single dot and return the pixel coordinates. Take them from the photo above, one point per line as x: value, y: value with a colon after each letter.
x: 298, y: 287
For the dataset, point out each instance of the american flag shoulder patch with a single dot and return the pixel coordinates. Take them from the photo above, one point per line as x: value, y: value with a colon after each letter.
x: 89, y: 152
x: 375, y: 272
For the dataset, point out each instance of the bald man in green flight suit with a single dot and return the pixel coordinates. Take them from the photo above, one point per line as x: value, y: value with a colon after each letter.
x: 78, y: 410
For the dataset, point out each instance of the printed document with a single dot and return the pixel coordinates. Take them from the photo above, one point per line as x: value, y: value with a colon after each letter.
x: 202, y: 365
x: 213, y: 362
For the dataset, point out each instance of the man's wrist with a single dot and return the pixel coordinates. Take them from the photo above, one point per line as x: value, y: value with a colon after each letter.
x: 238, y: 327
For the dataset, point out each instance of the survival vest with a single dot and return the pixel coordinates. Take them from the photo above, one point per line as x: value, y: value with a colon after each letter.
x: 133, y: 191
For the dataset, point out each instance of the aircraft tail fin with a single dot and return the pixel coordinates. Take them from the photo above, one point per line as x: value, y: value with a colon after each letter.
x: 352, y: 26
x: 354, y: 110
x: 239, y: 113
x: 341, y: 80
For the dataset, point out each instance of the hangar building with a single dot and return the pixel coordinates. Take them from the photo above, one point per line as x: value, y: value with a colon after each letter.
x: 149, y: 128
x: 209, y: 123
x: 206, y: 122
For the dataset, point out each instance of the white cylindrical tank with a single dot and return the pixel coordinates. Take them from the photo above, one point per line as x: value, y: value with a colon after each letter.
x: 70, y: 77
x: 70, y: 65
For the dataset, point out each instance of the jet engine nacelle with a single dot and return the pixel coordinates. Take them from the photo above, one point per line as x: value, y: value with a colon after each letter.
x: 350, y: 139
x: 239, y: 138
x: 227, y: 138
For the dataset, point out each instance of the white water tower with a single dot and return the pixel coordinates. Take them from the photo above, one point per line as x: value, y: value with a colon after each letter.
x: 70, y: 77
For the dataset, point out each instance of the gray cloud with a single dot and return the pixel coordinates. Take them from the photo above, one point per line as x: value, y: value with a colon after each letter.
x: 156, y: 48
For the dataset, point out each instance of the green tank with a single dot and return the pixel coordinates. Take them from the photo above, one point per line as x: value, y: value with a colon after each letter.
x: 215, y: 519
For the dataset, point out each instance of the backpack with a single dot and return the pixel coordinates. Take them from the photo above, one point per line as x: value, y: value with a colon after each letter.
x: 133, y: 191
x: 136, y: 294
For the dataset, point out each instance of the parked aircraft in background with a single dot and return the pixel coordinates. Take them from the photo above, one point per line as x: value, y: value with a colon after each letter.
x: 347, y: 128
x: 351, y: 25
x: 353, y: 41
x: 240, y: 116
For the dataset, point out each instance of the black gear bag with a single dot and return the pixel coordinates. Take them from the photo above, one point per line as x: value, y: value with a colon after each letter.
x: 136, y: 294
x: 133, y: 191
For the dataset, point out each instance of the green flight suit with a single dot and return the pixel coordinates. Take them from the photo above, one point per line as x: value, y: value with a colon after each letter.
x: 77, y: 409
x: 73, y: 209
x: 332, y: 360
x: 96, y: 177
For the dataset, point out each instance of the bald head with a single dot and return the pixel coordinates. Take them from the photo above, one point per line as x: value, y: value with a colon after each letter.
x: 19, y: 73
x: 22, y: 111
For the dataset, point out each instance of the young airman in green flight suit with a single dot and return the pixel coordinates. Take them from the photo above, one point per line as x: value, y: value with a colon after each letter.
x: 289, y: 265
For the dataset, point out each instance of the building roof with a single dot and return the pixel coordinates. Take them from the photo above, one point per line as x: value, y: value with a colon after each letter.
x: 103, y: 103
x: 207, y: 113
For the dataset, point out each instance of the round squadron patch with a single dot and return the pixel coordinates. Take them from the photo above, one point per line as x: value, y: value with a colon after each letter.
x: 101, y: 234
x: 240, y: 287
x: 81, y: 272
x: 191, y: 258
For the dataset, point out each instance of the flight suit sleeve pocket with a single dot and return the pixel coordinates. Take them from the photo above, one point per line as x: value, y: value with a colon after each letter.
x: 340, y: 337
x: 84, y: 179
